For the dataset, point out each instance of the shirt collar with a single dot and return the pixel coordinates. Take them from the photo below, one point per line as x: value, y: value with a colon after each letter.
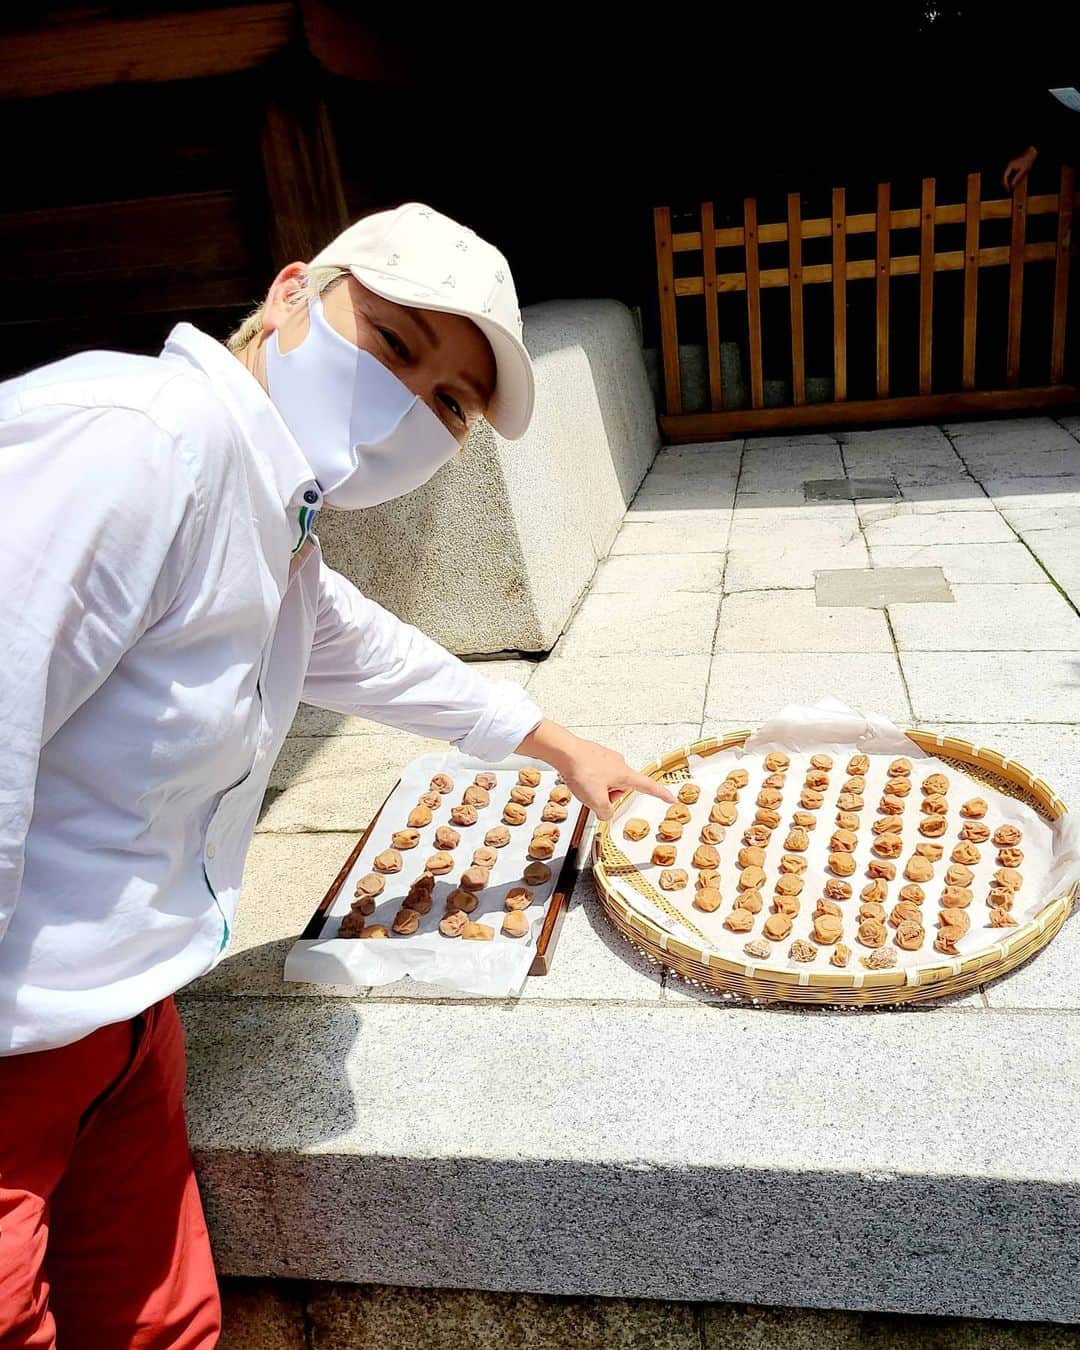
x: 258, y: 419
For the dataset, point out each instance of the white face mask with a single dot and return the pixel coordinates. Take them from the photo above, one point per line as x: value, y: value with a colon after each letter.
x: 367, y: 436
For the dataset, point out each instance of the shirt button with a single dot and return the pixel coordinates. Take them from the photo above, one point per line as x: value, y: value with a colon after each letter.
x: 211, y: 850
x: 311, y: 496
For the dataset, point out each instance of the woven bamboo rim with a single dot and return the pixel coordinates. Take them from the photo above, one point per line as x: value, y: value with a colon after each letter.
x: 862, y: 988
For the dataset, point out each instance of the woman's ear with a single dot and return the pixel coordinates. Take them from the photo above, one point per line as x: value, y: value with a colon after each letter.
x: 286, y: 291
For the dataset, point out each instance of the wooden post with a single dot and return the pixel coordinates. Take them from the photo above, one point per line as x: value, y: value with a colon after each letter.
x: 712, y: 313
x: 881, y: 272
x: 300, y: 161
x: 1016, y: 282
x: 669, y: 328
x: 795, y: 288
x: 1066, y: 189
x: 753, y: 301
x: 971, y: 276
x: 839, y: 294
x: 926, y: 287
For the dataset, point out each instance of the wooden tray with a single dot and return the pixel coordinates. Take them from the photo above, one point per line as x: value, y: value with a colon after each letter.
x: 553, y: 916
x: 704, y: 966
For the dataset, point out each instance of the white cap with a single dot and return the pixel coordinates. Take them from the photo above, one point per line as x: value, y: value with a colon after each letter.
x: 418, y: 257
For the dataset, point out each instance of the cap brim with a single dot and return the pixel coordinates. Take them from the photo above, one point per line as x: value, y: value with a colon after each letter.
x: 511, y: 408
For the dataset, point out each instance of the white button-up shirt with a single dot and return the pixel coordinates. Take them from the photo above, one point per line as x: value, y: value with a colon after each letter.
x: 159, y: 627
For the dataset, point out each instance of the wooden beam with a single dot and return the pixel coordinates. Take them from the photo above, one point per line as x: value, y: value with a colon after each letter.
x: 712, y: 315
x: 926, y: 287
x: 345, y: 45
x: 692, y: 427
x: 864, y: 268
x: 1016, y: 283
x: 300, y: 162
x: 839, y: 295
x: 971, y: 276
x: 148, y: 49
x: 882, y: 274
x: 1063, y: 249
x: 669, y: 325
x: 753, y: 303
x: 819, y: 227
x: 187, y: 251
x: 798, y: 360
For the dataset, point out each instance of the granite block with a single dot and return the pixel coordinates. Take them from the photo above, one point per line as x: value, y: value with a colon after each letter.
x: 544, y: 1153
x: 375, y: 1318
x: 674, y: 532
x: 651, y: 576
x: 997, y: 687
x: 947, y: 527
x: 991, y: 618
x: 676, y: 622
x: 745, y: 688
x: 609, y: 690
x: 1009, y: 435
x: 335, y: 782
x: 984, y: 564
x: 793, y: 621
x: 262, y: 1315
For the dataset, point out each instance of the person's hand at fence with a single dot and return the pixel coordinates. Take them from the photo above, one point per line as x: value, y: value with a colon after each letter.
x: 1018, y: 168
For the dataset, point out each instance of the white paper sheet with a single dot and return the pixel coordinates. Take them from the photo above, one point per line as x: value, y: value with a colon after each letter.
x: 1051, y: 852
x: 495, y: 969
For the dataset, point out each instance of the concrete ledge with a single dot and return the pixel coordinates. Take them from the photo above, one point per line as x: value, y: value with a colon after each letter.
x: 672, y: 1150
x: 493, y: 554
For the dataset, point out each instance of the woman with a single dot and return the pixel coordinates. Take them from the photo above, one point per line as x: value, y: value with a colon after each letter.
x: 164, y: 608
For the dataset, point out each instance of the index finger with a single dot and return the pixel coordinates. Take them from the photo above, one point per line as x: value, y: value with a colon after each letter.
x: 638, y: 782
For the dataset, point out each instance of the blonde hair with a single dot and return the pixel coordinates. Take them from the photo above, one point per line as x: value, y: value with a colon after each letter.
x: 316, y: 281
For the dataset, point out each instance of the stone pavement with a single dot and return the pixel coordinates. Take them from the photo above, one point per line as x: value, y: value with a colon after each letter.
x: 617, y: 1132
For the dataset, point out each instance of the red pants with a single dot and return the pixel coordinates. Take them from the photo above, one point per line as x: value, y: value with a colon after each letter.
x: 103, y: 1245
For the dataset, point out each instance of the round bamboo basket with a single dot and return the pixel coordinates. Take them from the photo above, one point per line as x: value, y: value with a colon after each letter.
x: 702, y: 965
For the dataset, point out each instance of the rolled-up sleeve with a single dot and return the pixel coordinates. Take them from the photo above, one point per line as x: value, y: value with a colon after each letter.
x: 367, y: 662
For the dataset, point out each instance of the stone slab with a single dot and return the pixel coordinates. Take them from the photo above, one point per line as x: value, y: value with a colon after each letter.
x: 262, y: 1315
x: 958, y: 494
x: 962, y: 564
x: 1059, y: 553
x: 496, y: 550
x: 877, y: 587
x: 674, y: 532
x: 947, y: 527
x: 547, y: 1148
x: 745, y: 687
x: 620, y: 689
x: 794, y: 621
x: 375, y: 1318
x: 653, y: 575
x: 787, y: 557
x: 990, y: 618
x: 1010, y: 435
x: 1022, y: 494
x: 850, y: 489
x: 639, y: 742
x: 737, y: 1328
x: 323, y: 783
x: 669, y: 623
x: 992, y: 687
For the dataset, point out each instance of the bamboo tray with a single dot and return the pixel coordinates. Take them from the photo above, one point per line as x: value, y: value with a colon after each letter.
x: 704, y: 966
